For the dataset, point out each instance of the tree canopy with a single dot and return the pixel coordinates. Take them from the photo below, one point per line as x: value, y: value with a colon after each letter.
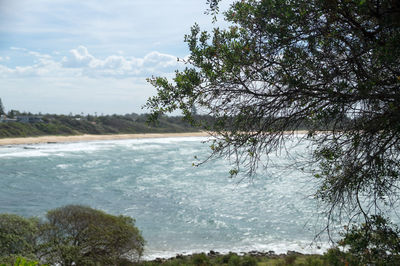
x: 2, y: 109
x: 70, y: 235
x: 17, y: 235
x: 331, y: 66
x: 79, y: 235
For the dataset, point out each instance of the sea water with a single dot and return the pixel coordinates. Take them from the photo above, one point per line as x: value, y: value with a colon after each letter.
x: 179, y: 208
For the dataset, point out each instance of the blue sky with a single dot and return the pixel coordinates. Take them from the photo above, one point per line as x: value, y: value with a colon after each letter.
x: 62, y: 56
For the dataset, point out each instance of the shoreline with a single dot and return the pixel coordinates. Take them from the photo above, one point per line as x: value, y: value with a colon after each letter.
x: 92, y: 137
x: 215, y: 255
x: 305, y: 247
x: 87, y: 137
x: 212, y: 252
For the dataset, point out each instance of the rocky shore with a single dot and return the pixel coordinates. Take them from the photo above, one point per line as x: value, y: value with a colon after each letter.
x: 215, y: 254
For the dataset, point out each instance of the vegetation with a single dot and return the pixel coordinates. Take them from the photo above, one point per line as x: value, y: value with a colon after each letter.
x: 1, y: 108
x: 376, y: 242
x: 71, y: 235
x: 17, y: 235
x: 333, y: 257
x: 19, y: 261
x: 283, y: 63
x: 78, y: 235
x: 77, y: 125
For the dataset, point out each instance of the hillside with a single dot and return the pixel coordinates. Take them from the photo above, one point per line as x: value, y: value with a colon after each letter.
x: 109, y: 124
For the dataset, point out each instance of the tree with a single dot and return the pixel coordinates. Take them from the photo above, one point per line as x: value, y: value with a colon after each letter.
x: 2, y: 110
x: 331, y: 66
x: 375, y: 243
x: 17, y: 235
x: 79, y: 235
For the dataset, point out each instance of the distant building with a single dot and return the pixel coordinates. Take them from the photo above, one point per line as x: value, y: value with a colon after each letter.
x: 29, y: 119
x: 4, y: 119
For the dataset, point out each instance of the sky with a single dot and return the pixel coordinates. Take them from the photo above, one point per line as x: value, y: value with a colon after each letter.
x: 75, y: 56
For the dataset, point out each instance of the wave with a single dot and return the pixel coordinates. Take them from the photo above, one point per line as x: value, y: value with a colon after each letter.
x: 60, y: 149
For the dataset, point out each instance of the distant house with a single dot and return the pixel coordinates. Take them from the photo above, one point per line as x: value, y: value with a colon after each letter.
x: 29, y: 119
x: 4, y: 119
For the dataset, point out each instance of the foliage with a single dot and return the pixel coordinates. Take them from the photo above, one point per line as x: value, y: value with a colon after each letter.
x: 83, y: 236
x: 17, y: 235
x: 203, y: 259
x: 333, y: 257
x: 376, y: 242
x: 19, y: 261
x: 290, y: 259
x: 284, y: 65
x: 249, y: 261
x: 109, y: 124
x: 200, y: 259
x: 234, y: 260
x: 2, y: 109
x: 71, y: 235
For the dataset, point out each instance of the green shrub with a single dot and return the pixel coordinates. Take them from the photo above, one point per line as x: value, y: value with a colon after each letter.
x: 17, y: 235
x: 225, y: 258
x: 248, y: 261
x: 234, y: 260
x: 18, y: 261
x: 314, y: 261
x: 84, y: 236
x: 335, y: 257
x: 290, y: 259
x: 200, y: 259
x: 375, y: 242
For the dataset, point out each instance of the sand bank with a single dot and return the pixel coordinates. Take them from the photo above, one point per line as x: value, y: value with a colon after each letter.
x: 58, y: 139
x: 78, y: 138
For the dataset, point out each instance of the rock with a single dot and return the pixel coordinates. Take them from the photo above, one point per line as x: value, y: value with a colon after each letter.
x: 291, y: 252
x: 179, y: 256
x: 213, y: 253
x: 159, y: 260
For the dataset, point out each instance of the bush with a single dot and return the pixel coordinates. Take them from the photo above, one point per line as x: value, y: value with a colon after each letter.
x: 314, y: 261
x: 290, y: 259
x: 17, y: 235
x: 234, y: 260
x: 84, y: 236
x: 335, y: 257
x: 200, y: 259
x: 375, y: 242
x: 249, y: 261
x: 18, y: 261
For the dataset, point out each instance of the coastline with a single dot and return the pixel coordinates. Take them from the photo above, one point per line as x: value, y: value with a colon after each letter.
x: 247, y: 258
x: 79, y: 138
x: 92, y: 137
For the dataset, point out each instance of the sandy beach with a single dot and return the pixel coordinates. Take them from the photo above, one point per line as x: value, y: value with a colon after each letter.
x: 87, y: 137
x: 78, y: 138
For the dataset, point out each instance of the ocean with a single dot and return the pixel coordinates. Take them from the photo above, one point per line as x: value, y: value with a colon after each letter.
x: 179, y: 208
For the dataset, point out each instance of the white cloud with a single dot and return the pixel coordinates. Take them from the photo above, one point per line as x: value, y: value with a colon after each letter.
x: 39, y: 55
x: 17, y: 48
x: 156, y: 59
x: 124, y: 42
x: 80, y: 62
x: 79, y: 57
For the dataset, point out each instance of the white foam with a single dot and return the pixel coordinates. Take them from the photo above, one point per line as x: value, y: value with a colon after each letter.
x: 63, y: 166
x: 58, y: 149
